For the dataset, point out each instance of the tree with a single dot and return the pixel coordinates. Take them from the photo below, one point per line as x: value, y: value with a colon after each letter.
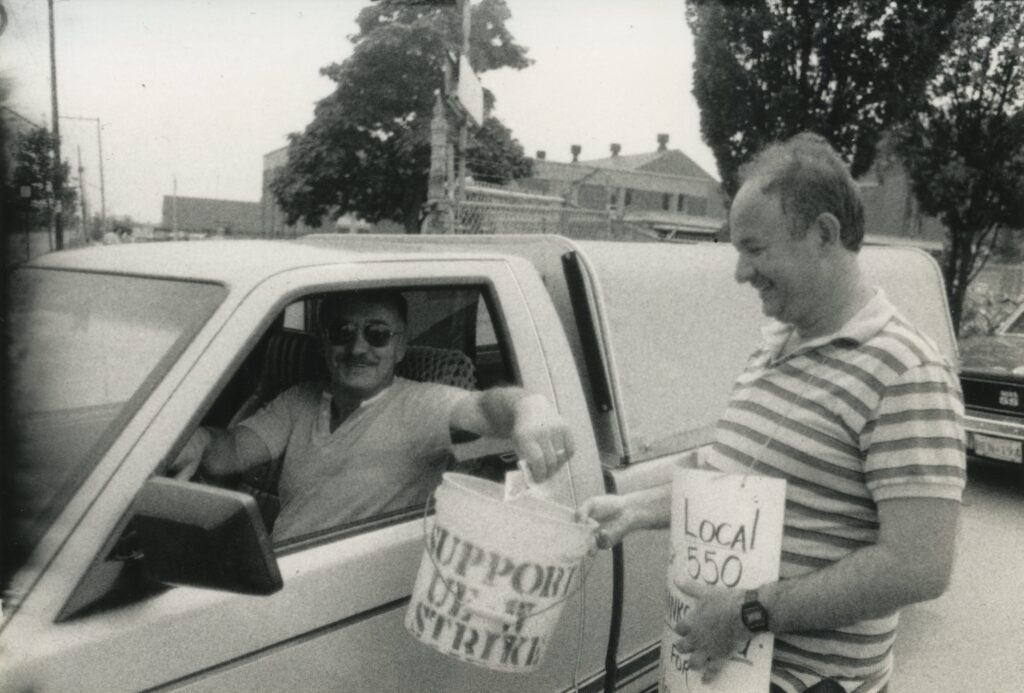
x: 33, y: 173
x: 494, y: 156
x: 769, y: 69
x: 964, y: 151
x: 367, y: 150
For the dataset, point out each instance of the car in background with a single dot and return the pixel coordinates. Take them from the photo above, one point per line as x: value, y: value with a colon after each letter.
x: 992, y: 377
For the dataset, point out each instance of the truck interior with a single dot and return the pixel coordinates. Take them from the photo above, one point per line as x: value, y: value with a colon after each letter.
x: 455, y: 338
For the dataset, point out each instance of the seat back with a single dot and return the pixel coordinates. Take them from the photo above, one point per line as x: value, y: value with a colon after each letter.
x: 433, y: 365
x: 290, y: 358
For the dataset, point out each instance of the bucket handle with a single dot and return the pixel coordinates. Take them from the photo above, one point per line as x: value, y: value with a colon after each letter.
x: 507, y: 618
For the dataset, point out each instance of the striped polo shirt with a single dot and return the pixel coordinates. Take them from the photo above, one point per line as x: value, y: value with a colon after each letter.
x: 868, y: 413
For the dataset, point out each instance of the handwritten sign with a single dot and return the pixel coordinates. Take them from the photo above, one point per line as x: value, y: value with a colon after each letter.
x: 726, y: 533
x: 485, y: 607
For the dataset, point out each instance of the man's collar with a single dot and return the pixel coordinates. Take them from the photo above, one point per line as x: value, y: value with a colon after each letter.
x: 328, y: 394
x: 371, y: 400
x: 864, y: 325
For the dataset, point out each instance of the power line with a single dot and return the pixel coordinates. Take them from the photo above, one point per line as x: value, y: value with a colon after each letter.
x: 27, y: 120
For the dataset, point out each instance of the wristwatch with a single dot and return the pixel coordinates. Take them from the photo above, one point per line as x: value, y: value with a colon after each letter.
x: 753, y: 613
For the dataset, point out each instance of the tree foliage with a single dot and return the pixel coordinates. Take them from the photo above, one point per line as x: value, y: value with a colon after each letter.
x: 33, y: 173
x: 768, y: 69
x: 367, y: 150
x: 964, y: 150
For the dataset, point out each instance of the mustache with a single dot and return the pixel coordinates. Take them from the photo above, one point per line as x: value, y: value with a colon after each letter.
x: 356, y: 361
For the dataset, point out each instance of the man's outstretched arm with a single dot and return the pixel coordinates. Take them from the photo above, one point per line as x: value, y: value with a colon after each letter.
x: 540, y: 435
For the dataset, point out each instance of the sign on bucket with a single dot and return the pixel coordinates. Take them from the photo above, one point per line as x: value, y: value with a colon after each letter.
x: 495, y: 574
x: 726, y: 533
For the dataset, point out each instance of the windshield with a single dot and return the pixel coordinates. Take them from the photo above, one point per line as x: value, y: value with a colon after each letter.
x: 83, y: 351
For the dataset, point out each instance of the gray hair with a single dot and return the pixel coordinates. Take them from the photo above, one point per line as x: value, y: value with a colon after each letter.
x: 810, y: 179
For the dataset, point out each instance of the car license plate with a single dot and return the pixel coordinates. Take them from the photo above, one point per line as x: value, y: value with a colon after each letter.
x: 998, y: 448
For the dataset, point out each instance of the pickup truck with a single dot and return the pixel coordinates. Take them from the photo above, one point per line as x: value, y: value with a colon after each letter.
x: 117, y: 577
x: 992, y: 378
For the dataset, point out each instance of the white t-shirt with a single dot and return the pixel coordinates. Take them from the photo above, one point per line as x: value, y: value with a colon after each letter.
x: 387, y: 455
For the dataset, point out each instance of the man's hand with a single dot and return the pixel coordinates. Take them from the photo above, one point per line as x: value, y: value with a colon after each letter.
x: 617, y: 516
x: 712, y: 630
x: 540, y: 436
x: 614, y: 515
x: 186, y: 464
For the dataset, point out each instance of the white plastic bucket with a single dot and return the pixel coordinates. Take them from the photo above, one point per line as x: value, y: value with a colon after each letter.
x: 495, y: 574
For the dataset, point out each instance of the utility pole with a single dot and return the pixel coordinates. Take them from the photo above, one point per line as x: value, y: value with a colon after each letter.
x: 464, y: 7
x: 174, y: 211
x: 81, y: 194
x: 57, y: 185
x: 103, y: 187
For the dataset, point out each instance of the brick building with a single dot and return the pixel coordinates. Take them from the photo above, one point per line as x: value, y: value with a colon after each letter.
x: 892, y: 214
x: 200, y: 215
x: 263, y: 219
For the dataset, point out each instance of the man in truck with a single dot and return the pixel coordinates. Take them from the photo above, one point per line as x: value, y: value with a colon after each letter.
x: 860, y: 414
x: 369, y: 442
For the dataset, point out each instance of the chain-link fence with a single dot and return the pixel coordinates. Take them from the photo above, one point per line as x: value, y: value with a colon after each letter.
x: 491, y: 210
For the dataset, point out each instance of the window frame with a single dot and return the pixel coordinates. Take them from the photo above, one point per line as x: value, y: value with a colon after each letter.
x: 510, y: 372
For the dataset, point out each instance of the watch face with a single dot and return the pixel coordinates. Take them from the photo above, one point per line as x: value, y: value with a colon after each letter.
x: 755, y: 617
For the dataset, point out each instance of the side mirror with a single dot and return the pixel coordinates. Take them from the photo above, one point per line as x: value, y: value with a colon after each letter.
x: 190, y: 534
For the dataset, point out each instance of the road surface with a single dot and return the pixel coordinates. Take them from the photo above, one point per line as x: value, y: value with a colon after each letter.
x: 972, y: 638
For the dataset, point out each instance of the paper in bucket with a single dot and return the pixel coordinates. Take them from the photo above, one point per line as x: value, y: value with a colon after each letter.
x: 494, y: 574
x: 726, y: 533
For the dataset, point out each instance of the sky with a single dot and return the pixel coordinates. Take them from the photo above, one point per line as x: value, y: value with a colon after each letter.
x: 197, y: 91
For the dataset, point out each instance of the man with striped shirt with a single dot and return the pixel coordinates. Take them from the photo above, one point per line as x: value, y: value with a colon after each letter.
x: 861, y: 415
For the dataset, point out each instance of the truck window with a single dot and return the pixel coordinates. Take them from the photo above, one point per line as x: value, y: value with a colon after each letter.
x: 295, y: 316
x: 384, y: 472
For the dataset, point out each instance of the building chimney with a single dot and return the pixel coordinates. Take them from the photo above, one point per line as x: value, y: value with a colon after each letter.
x: 575, y: 149
x: 541, y: 154
x: 662, y: 142
x: 616, y: 148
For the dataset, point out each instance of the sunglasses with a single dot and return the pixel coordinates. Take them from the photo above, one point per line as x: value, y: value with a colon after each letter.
x: 343, y: 334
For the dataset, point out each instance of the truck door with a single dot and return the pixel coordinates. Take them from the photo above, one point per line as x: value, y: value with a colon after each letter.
x: 337, y: 623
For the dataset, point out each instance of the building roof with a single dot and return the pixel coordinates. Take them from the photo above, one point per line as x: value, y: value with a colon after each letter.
x: 584, y: 172
x: 629, y: 162
x: 669, y: 161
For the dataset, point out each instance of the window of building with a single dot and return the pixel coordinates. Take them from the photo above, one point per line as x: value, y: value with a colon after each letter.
x: 666, y: 201
x: 629, y: 198
x: 697, y: 206
x: 681, y: 203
